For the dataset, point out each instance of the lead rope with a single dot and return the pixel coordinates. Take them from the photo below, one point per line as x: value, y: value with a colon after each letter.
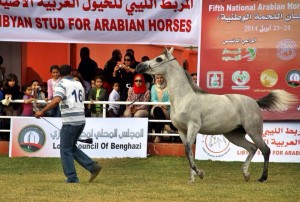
x: 88, y: 140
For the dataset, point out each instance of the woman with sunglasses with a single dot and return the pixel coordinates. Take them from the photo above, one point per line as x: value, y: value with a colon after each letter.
x: 137, y: 93
x: 124, y: 75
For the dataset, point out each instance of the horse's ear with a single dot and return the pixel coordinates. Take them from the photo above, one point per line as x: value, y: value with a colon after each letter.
x: 168, y: 53
x: 165, y: 52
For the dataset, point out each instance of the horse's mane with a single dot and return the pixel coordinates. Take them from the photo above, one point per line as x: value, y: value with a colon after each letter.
x: 194, y: 86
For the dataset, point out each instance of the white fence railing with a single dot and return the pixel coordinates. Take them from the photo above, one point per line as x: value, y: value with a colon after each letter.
x: 105, y: 106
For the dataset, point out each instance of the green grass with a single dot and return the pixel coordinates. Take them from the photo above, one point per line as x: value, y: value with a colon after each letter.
x: 151, y: 179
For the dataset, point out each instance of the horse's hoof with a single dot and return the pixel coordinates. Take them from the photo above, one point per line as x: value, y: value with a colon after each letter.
x: 191, y: 181
x: 201, y: 174
x: 247, y: 177
x: 262, y: 179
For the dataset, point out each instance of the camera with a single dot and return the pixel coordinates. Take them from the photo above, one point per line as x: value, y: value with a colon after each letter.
x: 120, y: 66
x: 38, y: 90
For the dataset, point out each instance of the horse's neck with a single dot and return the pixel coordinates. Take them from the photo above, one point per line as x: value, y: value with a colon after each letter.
x: 178, y: 84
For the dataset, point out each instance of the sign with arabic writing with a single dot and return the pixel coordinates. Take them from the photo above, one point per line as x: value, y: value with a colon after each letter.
x: 251, y: 48
x: 282, y: 138
x: 101, y: 21
x: 112, y: 138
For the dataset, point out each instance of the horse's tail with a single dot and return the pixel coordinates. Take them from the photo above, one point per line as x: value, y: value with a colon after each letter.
x: 277, y: 100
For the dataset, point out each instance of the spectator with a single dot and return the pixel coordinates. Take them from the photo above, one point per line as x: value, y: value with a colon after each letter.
x: 2, y: 136
x: 44, y: 89
x: 11, y: 90
x: 145, y: 58
x: 28, y: 99
x: 98, y: 93
x: 86, y: 85
x: 1, y: 98
x: 138, y: 93
x: 37, y: 94
x: 87, y: 66
x: 2, y: 71
x: 92, y: 83
x: 113, y: 109
x: 194, y: 77
x: 124, y: 74
x: 52, y: 83
x: 134, y: 62
x: 159, y: 93
x: 87, y: 111
x: 148, y: 77
x: 109, y: 68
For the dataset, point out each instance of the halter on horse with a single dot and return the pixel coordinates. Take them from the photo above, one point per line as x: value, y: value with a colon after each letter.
x: 233, y: 115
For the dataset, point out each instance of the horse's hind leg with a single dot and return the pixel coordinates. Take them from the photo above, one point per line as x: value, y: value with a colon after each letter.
x: 239, y: 139
x: 265, y: 150
x: 188, y: 141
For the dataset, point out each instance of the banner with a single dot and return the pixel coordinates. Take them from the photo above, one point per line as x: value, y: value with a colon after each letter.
x: 112, y: 137
x: 282, y: 138
x: 251, y: 48
x: 101, y: 21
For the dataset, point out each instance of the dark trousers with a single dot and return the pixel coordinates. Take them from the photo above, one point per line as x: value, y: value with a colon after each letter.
x: 158, y: 113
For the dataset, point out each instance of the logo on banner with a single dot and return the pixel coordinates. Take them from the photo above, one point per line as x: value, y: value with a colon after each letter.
x: 31, y: 138
x: 251, y: 54
x: 293, y: 78
x: 286, y: 49
x: 268, y: 78
x: 238, y: 54
x: 215, y: 79
x: 216, y: 145
x: 240, y: 78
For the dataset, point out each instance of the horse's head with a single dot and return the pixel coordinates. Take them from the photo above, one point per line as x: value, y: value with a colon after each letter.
x: 156, y: 65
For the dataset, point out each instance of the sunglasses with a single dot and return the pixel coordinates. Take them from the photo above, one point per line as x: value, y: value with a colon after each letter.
x: 127, y: 60
x: 138, y: 81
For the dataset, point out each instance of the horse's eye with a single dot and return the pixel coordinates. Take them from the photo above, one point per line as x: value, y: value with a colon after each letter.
x: 159, y: 59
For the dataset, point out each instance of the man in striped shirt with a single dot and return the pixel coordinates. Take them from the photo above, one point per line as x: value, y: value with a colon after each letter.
x: 70, y: 95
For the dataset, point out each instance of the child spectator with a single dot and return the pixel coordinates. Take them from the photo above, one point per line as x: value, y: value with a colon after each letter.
x: 87, y: 111
x: 77, y: 76
x: 51, y: 83
x: 28, y: 99
x: 113, y: 110
x: 44, y: 90
x: 92, y: 83
x: 37, y: 94
x: 98, y: 93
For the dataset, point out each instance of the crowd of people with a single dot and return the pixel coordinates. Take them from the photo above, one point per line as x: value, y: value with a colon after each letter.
x: 117, y: 81
x: 63, y: 95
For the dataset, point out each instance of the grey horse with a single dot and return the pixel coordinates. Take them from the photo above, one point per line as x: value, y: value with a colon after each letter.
x: 233, y: 115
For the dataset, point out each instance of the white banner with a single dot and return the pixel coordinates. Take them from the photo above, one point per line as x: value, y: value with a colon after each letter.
x: 282, y: 138
x: 175, y: 22
x: 112, y: 137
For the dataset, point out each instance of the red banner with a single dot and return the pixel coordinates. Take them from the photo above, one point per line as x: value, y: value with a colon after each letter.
x: 250, y: 47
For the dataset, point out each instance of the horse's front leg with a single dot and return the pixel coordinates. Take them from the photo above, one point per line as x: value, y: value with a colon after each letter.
x: 188, y: 141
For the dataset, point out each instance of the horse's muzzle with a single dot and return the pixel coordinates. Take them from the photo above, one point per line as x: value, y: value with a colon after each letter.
x: 142, y: 67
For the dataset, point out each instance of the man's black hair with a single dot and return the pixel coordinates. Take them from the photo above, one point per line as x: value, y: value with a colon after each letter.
x: 65, y: 70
